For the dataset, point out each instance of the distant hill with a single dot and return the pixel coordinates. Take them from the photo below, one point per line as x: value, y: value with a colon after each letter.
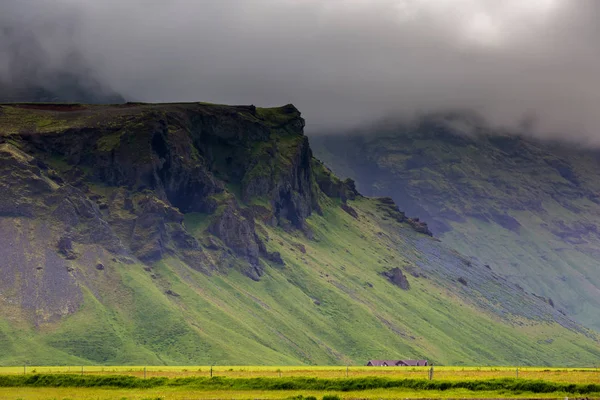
x: 526, y: 207
x: 197, y: 233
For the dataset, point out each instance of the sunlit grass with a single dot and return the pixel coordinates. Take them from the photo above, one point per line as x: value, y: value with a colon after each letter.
x: 181, y: 394
x: 446, y: 373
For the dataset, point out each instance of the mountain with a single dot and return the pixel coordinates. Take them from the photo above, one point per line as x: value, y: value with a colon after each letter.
x: 199, y: 233
x: 528, y: 208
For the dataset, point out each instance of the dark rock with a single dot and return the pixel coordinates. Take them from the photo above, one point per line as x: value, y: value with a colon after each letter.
x: 564, y: 170
x: 156, y: 230
x: 331, y: 185
x: 100, y: 267
x: 22, y: 184
x: 396, y: 277
x: 462, y: 281
x: 55, y: 177
x: 300, y: 247
x: 350, y: 189
x: 390, y: 209
x: 172, y: 293
x: 65, y: 247
x: 350, y: 210
x: 419, y: 226
x: 290, y: 190
x: 505, y: 221
x: 275, y: 257
x: 238, y: 234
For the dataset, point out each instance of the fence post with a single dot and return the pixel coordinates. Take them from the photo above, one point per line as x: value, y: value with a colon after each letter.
x: 431, y: 373
x: 144, y: 372
x: 211, y: 371
x: 517, y: 372
x: 24, y: 369
x: 346, y: 371
x: 82, y: 370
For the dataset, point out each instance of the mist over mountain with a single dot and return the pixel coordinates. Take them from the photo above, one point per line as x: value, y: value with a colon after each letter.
x: 344, y: 63
x: 39, y: 60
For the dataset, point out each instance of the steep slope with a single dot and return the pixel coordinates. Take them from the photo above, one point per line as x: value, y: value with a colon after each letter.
x: 528, y: 208
x: 197, y: 233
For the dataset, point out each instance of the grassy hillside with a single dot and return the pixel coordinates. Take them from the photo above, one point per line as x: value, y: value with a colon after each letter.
x: 527, y: 208
x: 199, y: 234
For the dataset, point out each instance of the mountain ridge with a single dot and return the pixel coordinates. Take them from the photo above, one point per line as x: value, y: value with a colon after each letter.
x: 525, y: 206
x: 194, y: 233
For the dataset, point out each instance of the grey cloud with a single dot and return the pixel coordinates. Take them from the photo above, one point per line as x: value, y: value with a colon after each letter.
x: 344, y: 62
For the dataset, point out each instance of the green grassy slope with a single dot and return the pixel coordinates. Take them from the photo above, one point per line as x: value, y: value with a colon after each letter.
x: 202, y: 295
x: 326, y: 306
x: 527, y: 208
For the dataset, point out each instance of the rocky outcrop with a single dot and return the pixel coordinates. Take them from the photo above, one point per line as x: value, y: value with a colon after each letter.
x: 397, y: 277
x: 284, y: 177
x: 65, y: 248
x: 22, y: 184
x: 419, y: 226
x: 29, y: 192
x: 389, y: 208
x: 237, y: 232
x: 349, y: 210
x: 331, y: 185
x: 152, y: 228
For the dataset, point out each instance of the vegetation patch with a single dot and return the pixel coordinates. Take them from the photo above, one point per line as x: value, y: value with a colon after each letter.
x: 341, y: 385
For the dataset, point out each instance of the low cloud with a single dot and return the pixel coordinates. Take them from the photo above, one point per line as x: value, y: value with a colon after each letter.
x: 342, y: 63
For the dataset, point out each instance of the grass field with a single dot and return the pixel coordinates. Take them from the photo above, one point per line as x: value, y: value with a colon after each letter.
x: 186, y: 394
x: 251, y: 382
x: 561, y: 375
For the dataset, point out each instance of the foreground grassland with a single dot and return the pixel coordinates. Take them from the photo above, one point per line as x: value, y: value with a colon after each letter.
x: 186, y: 394
x: 251, y: 382
x: 290, y: 382
x: 558, y: 375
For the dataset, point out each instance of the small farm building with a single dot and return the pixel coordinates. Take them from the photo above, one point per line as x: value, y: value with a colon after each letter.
x: 397, y: 363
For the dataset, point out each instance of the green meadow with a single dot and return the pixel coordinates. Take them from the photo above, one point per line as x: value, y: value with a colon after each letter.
x: 448, y: 382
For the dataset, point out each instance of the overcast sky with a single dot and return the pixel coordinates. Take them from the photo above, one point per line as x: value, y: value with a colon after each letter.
x: 341, y: 62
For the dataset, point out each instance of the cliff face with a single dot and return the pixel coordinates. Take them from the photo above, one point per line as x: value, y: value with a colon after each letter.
x: 125, y: 176
x: 189, y: 233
